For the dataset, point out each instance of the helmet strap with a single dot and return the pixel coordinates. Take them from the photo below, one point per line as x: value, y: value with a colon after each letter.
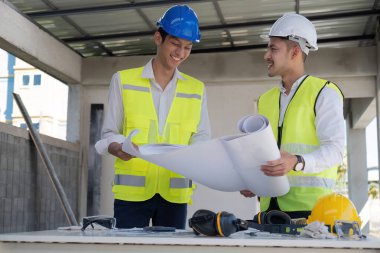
x: 300, y: 41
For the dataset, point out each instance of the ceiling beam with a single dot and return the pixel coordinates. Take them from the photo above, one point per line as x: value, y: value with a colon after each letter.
x: 28, y: 42
x: 114, y: 7
x: 221, y: 26
x: 326, y: 16
x: 363, y: 111
x: 76, y: 27
x: 259, y: 46
x: 223, y: 22
x: 297, y: 7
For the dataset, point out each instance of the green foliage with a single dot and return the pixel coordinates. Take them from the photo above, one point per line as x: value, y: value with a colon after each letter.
x: 341, y: 182
x: 373, y: 190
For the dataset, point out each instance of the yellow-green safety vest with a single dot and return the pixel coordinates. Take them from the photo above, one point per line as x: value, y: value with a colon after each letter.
x: 139, y: 180
x: 298, y: 136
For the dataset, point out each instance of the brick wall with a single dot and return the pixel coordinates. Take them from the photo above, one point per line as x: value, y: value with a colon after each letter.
x: 28, y: 201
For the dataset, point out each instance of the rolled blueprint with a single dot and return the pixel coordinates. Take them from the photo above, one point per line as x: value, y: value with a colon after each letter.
x: 229, y: 163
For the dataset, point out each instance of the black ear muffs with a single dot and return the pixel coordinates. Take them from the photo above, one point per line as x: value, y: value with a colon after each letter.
x: 272, y: 217
x: 203, y: 222
x: 226, y: 224
x: 208, y: 223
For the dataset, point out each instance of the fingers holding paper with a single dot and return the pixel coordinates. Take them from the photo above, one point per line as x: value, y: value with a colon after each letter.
x: 281, y: 166
x: 115, y: 149
x: 247, y: 193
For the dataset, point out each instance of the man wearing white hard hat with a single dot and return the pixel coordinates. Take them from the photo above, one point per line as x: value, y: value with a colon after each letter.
x: 306, y: 115
x: 167, y: 106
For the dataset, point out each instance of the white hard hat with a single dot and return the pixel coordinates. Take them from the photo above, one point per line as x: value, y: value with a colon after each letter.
x: 297, y: 28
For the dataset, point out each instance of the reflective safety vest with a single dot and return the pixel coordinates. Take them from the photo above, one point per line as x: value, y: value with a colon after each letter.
x: 298, y: 136
x: 139, y: 180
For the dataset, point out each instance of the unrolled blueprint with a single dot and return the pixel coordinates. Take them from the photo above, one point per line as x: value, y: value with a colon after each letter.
x: 229, y: 163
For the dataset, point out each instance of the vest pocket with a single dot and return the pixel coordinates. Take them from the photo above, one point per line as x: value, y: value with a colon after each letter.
x: 181, y: 133
x: 188, y: 130
x: 140, y: 123
x: 133, y: 166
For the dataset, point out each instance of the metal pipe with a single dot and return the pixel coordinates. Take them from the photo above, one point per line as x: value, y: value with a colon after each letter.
x: 49, y: 166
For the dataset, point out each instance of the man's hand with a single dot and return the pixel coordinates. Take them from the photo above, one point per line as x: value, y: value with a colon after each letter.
x: 116, y: 149
x: 247, y: 193
x: 280, y: 167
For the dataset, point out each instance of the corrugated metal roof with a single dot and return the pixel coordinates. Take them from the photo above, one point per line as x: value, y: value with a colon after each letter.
x: 120, y: 27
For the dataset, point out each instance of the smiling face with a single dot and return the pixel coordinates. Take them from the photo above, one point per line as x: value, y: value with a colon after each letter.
x: 172, y: 51
x: 278, y: 57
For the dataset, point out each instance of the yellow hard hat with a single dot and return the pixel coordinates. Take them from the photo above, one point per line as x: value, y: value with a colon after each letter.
x: 333, y: 207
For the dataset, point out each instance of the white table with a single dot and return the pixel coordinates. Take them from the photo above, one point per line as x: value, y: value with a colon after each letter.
x: 107, y: 241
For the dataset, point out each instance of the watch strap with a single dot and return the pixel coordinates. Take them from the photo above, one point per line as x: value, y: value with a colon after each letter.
x: 300, y: 160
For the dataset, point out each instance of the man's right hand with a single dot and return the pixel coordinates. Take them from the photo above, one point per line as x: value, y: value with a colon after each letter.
x: 247, y: 193
x: 116, y: 149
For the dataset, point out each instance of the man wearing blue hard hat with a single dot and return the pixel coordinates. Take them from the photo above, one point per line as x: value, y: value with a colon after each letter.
x: 167, y: 106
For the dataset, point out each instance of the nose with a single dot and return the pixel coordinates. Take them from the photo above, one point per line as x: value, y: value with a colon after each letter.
x: 180, y: 52
x: 266, y: 55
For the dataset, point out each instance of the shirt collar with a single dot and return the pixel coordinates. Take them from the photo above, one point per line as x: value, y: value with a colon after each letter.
x: 294, y: 86
x: 148, y: 72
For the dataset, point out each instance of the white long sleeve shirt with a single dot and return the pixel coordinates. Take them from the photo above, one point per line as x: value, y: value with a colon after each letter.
x: 114, y: 117
x: 330, y: 127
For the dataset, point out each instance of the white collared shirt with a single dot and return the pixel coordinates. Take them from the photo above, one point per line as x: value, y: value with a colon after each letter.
x: 162, y: 99
x: 330, y: 127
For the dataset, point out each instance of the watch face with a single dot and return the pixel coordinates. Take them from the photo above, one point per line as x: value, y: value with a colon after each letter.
x: 298, y: 167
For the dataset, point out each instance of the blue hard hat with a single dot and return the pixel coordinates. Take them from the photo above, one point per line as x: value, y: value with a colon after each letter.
x: 182, y: 22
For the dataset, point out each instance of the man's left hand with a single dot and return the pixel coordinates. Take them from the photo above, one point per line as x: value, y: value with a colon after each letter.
x: 280, y: 167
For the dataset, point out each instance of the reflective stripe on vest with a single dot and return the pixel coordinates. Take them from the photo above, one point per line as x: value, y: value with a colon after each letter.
x: 298, y: 137
x: 134, y: 87
x: 306, y: 181
x: 176, y: 182
x: 137, y: 179
x: 297, y: 148
x: 185, y: 95
x: 131, y: 180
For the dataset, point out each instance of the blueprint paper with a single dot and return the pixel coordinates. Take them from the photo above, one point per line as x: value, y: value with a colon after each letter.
x: 230, y: 163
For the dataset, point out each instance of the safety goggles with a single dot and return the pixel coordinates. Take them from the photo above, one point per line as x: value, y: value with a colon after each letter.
x: 104, y: 221
x: 348, y: 229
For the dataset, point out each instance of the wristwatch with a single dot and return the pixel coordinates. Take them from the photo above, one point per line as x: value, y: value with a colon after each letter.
x: 300, y: 165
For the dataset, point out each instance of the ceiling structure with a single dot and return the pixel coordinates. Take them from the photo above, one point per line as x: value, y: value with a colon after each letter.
x: 123, y: 28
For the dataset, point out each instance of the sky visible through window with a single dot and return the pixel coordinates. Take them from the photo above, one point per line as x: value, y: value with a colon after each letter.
x: 371, y: 139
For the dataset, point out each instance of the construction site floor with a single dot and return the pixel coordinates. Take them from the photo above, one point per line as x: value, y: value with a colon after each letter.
x: 107, y: 241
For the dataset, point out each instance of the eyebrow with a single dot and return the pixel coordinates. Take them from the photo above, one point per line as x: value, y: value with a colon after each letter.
x: 179, y: 40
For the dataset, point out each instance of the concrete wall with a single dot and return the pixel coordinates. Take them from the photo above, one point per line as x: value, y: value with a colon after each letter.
x: 28, y: 201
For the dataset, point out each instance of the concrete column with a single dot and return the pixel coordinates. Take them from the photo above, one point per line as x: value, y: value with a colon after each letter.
x: 75, y: 122
x: 357, y: 168
x: 74, y: 113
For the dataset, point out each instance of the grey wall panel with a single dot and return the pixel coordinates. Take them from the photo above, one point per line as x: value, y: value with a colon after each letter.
x: 28, y: 201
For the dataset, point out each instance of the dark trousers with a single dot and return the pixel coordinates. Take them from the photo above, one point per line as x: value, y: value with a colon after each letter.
x: 130, y: 214
x: 294, y: 215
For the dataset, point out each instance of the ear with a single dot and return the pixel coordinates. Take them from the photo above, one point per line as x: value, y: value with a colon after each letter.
x: 297, y: 52
x: 157, y: 38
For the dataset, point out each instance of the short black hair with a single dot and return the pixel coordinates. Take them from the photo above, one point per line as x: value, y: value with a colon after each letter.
x: 162, y: 33
x: 290, y: 42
